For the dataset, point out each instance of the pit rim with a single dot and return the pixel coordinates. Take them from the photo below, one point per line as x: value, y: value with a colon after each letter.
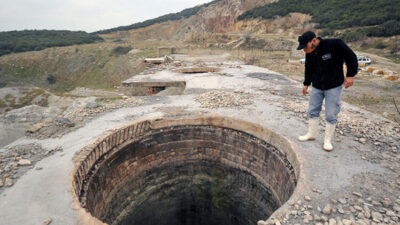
x: 87, y: 157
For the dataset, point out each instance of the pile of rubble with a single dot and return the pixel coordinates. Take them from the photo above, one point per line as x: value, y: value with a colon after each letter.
x: 74, y: 118
x: 16, y: 160
x: 383, y: 135
x: 347, y: 210
x: 219, y: 99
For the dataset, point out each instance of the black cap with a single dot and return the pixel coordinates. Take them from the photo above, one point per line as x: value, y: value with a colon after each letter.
x: 305, y: 38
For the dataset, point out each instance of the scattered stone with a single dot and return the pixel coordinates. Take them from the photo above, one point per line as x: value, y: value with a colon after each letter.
x: 357, y: 194
x: 9, y: 182
x: 377, y: 217
x: 262, y: 223
x: 93, y: 105
x: 24, y: 162
x: 47, y: 222
x: 65, y: 121
x: 342, y: 201
x: 218, y: 99
x: 358, y: 208
x: 307, y: 218
x: 332, y: 221
x: 1, y: 183
x: 333, y: 201
x: 362, y: 140
x: 390, y: 213
x: 386, y: 202
x: 307, y: 198
x: 327, y: 210
x: 347, y: 222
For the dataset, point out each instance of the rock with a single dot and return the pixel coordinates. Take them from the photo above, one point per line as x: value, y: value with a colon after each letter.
x: 262, y: 223
x: 9, y: 182
x: 65, y: 121
x: 390, y: 213
x: 358, y: 208
x: 47, y: 222
x: 362, y: 140
x: 360, y: 222
x: 332, y: 221
x: 333, y: 201
x: 357, y: 194
x: 327, y: 210
x: 307, y: 218
x: 307, y: 198
x: 367, y: 214
x: 24, y: 162
x: 375, y: 203
x: 377, y: 217
x: 342, y: 201
x: 92, y: 105
x: 396, y: 208
x: 347, y: 222
x: 386, y: 202
x: 35, y: 128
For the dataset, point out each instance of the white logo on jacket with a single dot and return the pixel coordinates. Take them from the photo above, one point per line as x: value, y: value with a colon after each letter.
x: 327, y: 56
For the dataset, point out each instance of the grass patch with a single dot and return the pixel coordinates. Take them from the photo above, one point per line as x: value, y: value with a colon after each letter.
x: 107, y: 100
x: 11, y: 102
x: 10, y: 99
x: 367, y: 100
x: 2, y: 104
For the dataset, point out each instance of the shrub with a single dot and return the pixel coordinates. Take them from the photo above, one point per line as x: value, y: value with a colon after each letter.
x: 120, y: 50
x: 51, y: 79
x: 380, y: 45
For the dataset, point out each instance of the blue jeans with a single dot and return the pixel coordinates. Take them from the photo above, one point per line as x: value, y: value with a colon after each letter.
x: 333, y: 103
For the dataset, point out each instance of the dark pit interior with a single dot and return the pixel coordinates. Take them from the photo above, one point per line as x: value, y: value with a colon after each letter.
x: 189, y: 175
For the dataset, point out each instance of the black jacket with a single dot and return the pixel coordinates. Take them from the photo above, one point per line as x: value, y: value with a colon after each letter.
x: 324, y: 66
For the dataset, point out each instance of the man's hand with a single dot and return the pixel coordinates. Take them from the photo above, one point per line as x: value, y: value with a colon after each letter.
x: 305, y: 90
x: 348, y: 82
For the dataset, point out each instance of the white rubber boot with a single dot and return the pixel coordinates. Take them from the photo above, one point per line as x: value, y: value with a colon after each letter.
x: 329, y: 131
x: 312, y: 130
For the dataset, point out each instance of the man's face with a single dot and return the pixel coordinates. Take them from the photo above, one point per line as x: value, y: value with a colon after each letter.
x: 310, y: 47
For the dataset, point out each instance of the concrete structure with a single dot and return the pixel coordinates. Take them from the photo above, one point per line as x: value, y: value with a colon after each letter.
x: 253, y: 143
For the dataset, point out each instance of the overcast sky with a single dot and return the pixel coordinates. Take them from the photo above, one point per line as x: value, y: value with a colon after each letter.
x: 85, y: 15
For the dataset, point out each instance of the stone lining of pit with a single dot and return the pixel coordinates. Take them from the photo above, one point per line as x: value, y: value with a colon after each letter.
x: 88, y: 160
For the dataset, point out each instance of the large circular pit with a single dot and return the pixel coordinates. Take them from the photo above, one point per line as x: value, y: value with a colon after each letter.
x: 181, y: 172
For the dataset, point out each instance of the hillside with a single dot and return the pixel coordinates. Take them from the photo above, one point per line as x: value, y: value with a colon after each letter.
x: 381, y: 17
x: 34, y: 40
x: 214, y: 17
x: 60, y: 69
x: 186, y: 13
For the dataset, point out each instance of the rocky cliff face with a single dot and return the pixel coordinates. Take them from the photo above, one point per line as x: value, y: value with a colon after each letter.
x: 220, y: 17
x: 218, y: 24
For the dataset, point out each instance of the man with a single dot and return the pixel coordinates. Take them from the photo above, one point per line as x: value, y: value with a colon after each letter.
x: 324, y: 70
